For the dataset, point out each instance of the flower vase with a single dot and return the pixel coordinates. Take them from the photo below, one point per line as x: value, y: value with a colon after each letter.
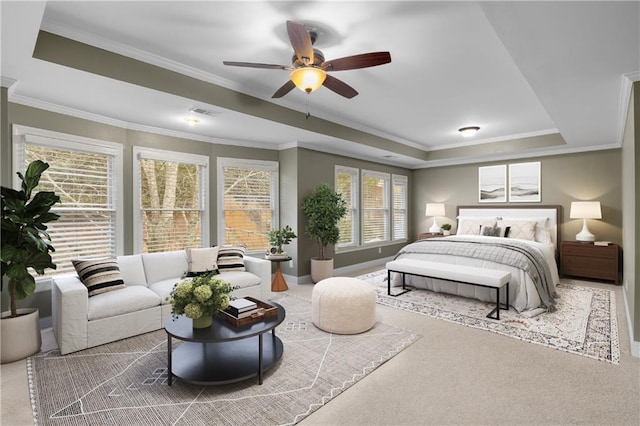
x: 203, y: 321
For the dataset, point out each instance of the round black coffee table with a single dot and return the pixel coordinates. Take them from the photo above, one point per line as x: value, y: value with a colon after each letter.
x: 222, y: 353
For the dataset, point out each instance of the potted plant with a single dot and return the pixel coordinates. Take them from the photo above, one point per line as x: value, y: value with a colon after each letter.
x: 446, y: 229
x: 324, y: 208
x: 279, y: 238
x: 200, y: 298
x: 25, y: 247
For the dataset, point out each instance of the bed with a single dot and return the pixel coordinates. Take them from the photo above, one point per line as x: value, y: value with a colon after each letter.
x: 521, y: 240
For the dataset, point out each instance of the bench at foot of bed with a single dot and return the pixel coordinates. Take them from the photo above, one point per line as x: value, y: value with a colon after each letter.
x: 490, y: 278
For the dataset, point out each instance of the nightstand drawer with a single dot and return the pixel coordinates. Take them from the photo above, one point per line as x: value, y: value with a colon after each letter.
x: 606, y: 269
x: 589, y: 250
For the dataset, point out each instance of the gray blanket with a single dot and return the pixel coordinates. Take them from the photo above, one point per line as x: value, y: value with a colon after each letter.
x: 504, y: 251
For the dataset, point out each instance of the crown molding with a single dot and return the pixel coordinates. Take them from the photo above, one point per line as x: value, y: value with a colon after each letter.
x: 625, y: 96
x: 59, y: 109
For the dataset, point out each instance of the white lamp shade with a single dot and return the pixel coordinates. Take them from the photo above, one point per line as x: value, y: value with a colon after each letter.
x: 434, y: 209
x: 585, y: 210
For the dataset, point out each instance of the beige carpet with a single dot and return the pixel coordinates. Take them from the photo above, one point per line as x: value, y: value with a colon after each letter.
x: 125, y: 382
x: 584, y: 322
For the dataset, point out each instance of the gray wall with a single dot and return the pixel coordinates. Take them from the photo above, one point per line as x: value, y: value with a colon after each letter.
x: 564, y: 178
x: 631, y: 192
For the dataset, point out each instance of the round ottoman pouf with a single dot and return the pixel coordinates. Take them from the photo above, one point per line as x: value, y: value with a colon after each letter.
x: 343, y: 305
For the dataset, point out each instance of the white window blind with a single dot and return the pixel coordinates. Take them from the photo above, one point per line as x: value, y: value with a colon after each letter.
x: 86, y: 183
x: 347, y: 184
x: 375, y: 207
x: 248, y: 200
x: 171, y: 199
x: 399, y: 190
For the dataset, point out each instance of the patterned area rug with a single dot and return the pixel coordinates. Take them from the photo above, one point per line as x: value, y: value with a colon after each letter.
x: 584, y: 322
x: 124, y: 383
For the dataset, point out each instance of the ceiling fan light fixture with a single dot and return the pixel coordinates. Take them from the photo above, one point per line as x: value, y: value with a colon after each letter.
x: 468, y: 131
x: 308, y: 79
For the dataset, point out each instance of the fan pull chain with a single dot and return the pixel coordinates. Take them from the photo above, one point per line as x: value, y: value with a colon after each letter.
x: 307, y: 107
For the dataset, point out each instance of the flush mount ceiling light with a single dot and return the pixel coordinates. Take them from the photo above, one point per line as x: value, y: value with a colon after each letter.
x: 191, y: 121
x: 468, y: 131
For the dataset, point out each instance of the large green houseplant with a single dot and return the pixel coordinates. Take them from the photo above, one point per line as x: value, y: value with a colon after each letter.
x: 323, y: 208
x: 25, y: 247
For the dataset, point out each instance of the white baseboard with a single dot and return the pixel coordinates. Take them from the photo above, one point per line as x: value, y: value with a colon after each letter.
x: 345, y: 270
x: 635, y: 346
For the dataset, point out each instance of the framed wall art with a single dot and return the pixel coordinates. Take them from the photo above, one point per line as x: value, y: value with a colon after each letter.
x: 492, y: 184
x: 524, y: 182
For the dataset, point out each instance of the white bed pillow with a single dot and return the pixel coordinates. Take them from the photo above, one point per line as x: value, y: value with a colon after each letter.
x: 522, y: 229
x: 471, y: 225
x: 542, y: 230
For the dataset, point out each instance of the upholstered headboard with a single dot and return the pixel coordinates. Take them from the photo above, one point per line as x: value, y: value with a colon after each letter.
x: 554, y: 213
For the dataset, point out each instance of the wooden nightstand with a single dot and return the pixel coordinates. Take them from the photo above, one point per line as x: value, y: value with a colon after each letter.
x: 426, y: 235
x: 586, y: 260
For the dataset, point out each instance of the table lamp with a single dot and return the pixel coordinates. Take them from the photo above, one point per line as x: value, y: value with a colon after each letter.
x: 585, y: 210
x: 434, y: 209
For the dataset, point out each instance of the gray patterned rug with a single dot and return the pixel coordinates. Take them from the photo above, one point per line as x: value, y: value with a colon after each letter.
x: 584, y: 322
x: 124, y: 383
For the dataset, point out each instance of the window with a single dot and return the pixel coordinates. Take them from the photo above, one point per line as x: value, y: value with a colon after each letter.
x: 87, y: 176
x: 247, y: 202
x: 375, y: 207
x: 172, y: 202
x: 347, y: 185
x: 400, y: 220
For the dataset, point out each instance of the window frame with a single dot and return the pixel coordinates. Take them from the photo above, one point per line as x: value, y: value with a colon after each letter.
x: 202, y: 161
x: 271, y: 166
x: 355, y: 206
x: 387, y: 207
x: 25, y: 135
x: 402, y: 180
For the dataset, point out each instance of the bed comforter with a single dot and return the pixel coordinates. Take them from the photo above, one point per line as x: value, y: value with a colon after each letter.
x: 534, y: 273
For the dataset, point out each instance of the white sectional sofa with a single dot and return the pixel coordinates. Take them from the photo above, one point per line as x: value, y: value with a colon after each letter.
x: 81, y: 322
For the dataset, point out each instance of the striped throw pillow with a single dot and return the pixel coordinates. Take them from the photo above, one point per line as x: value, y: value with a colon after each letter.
x: 99, y: 276
x: 231, y: 259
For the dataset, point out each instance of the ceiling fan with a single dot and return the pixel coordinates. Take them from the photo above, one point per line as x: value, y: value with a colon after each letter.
x: 309, y: 69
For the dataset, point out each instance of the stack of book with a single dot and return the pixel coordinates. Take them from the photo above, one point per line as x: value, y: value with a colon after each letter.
x: 241, y: 308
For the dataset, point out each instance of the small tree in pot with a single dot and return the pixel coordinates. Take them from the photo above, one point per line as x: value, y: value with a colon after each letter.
x: 324, y: 208
x: 25, y: 243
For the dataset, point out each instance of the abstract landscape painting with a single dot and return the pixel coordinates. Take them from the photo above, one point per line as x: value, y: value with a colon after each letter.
x: 492, y: 183
x: 524, y: 182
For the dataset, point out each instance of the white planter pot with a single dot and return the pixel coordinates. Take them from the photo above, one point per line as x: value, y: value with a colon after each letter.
x: 20, y: 335
x: 445, y: 232
x: 321, y: 269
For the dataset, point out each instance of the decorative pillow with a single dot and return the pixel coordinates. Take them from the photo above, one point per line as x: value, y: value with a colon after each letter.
x: 521, y: 229
x: 202, y: 260
x: 231, y: 258
x: 99, y: 276
x: 542, y: 231
x: 468, y: 226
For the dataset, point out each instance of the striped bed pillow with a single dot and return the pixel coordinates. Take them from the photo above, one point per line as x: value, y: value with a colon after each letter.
x: 99, y: 276
x: 231, y: 258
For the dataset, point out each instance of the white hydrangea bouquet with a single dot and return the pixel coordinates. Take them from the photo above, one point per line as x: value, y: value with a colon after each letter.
x: 200, y: 298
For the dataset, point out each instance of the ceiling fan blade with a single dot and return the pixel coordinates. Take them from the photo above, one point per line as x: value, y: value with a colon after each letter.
x: 301, y: 42
x: 339, y: 86
x: 286, y: 88
x: 363, y: 60
x: 257, y: 65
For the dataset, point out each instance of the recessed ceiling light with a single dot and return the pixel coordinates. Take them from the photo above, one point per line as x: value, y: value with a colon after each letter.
x: 468, y: 131
x: 191, y: 121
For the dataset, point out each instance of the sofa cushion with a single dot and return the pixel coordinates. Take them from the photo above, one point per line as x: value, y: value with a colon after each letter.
x: 132, y: 269
x: 163, y: 289
x: 123, y: 301
x: 163, y: 266
x: 202, y: 260
x: 231, y: 258
x: 99, y: 275
x: 241, y: 279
